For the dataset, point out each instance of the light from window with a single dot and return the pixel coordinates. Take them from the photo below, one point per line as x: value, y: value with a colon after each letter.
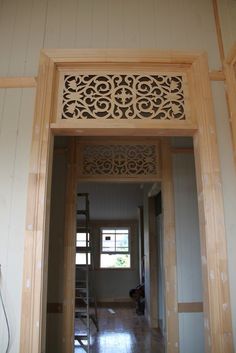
x: 82, y: 242
x: 115, y: 248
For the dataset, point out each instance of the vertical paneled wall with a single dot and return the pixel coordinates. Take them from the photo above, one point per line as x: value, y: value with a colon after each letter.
x: 26, y: 26
x: 16, y: 111
x: 227, y: 9
x: 189, y: 277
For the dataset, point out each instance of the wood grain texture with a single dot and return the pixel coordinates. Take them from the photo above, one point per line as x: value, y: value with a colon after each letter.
x: 218, y: 327
x: 152, y: 263
x: 36, y: 236
x: 172, y: 324
x: 218, y: 30
x: 67, y: 333
x: 230, y: 73
x: 18, y: 82
x: 217, y: 306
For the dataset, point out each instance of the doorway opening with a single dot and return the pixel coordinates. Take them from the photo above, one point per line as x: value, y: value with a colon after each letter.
x: 131, y: 208
x: 180, y: 106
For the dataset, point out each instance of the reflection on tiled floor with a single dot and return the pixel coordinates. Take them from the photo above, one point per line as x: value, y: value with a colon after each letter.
x: 123, y: 332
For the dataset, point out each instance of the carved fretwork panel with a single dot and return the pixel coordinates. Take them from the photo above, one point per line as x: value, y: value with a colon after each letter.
x: 123, y: 96
x: 119, y: 160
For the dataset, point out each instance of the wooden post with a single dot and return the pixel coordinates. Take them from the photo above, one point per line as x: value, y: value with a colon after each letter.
x: 171, y: 303
x: 152, y: 234
x: 218, y: 334
x: 38, y: 208
x: 69, y: 251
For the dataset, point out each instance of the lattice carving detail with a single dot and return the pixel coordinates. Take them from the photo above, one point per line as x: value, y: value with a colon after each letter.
x: 128, y: 96
x: 119, y: 160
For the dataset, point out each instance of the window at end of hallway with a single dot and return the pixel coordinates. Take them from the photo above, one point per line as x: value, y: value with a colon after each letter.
x: 115, y: 248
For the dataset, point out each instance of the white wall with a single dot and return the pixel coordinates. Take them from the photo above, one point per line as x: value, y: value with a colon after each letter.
x: 227, y: 9
x: 26, y: 26
x: 114, y: 202
x: 189, y: 276
x: 16, y: 111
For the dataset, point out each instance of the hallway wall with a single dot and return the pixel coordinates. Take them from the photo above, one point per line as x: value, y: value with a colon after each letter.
x: 117, y: 204
x: 189, y: 274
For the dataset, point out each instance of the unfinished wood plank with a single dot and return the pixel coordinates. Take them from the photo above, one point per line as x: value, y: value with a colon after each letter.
x: 217, y: 313
x: 38, y: 206
x: 217, y: 75
x: 218, y: 30
x: 230, y: 73
x: 172, y: 323
x: 218, y: 326
x: 194, y: 307
x: 69, y: 252
x: 152, y: 263
x: 17, y: 82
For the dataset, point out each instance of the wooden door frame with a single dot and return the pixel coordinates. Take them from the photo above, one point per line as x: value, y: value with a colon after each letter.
x: 217, y: 312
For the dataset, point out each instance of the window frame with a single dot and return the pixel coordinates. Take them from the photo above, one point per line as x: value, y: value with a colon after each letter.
x: 80, y: 249
x: 129, y: 252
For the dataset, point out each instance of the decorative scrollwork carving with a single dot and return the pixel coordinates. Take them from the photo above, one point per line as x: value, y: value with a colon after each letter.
x: 123, y: 97
x: 119, y: 160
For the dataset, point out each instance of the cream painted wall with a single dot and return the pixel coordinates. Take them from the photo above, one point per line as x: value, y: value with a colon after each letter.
x: 26, y: 26
x: 15, y: 132
x: 114, y: 202
x: 189, y: 275
x: 227, y: 9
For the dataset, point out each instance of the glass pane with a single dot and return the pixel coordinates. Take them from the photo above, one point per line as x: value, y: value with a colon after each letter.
x: 81, y: 259
x: 122, y: 231
x: 108, y: 231
x: 108, y: 242
x: 81, y: 239
x: 115, y: 261
x: 122, y: 242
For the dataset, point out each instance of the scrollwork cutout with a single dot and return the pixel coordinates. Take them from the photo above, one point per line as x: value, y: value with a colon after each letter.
x: 123, y: 97
x: 112, y: 160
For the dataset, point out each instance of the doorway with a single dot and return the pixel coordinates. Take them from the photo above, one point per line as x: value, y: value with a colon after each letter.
x: 195, y: 118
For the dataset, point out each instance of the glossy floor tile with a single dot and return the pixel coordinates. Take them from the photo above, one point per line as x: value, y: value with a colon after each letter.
x: 122, y: 331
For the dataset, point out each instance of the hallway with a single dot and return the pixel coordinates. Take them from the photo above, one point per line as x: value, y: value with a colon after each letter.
x: 121, y: 330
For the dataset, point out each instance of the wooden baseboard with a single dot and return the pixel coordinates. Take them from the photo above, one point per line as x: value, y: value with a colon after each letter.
x: 195, y: 307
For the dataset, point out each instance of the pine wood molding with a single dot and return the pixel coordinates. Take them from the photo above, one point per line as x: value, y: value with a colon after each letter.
x: 230, y: 73
x: 18, y: 82
x: 200, y: 125
x: 217, y: 75
x: 69, y: 251
x: 218, y: 30
x: 169, y: 255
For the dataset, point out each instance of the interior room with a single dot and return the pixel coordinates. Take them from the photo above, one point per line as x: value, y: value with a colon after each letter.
x: 127, y: 214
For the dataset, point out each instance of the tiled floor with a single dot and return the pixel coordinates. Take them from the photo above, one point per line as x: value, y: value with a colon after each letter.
x: 123, y: 332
